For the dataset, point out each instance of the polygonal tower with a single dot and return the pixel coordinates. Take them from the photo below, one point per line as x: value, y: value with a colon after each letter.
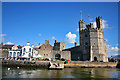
x: 92, y: 43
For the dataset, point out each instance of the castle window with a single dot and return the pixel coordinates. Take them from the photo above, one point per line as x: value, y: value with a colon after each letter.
x: 44, y: 54
x: 85, y: 35
x: 86, y: 43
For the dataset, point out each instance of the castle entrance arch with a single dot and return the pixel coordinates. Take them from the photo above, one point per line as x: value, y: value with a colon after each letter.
x: 57, y: 56
x: 95, y: 58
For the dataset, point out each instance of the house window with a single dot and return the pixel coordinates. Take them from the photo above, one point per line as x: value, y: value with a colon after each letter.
x: 24, y: 49
x: 23, y: 54
x: 18, y: 54
x: 10, y: 53
x: 29, y: 54
x: 14, y: 54
x: 29, y: 49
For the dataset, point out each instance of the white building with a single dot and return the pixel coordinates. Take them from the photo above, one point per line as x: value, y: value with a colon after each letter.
x: 26, y: 52
x: 14, y: 54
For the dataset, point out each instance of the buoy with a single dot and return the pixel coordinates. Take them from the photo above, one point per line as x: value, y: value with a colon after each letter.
x: 8, y: 68
x: 18, y: 67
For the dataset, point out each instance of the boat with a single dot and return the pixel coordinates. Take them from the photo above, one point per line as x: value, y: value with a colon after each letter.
x: 53, y: 67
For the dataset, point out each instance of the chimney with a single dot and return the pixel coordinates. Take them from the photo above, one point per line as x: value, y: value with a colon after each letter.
x: 75, y: 43
x: 46, y: 41
x: 32, y: 45
x: 28, y: 43
x: 56, y: 41
x: 39, y: 44
x: 2, y: 43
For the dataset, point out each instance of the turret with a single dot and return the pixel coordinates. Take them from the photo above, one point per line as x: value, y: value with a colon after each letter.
x: 32, y: 45
x: 75, y: 43
x: 89, y: 25
x: 99, y: 22
x: 56, y: 41
x: 81, y: 25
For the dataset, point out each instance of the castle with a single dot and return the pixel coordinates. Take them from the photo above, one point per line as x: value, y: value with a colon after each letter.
x: 92, y: 44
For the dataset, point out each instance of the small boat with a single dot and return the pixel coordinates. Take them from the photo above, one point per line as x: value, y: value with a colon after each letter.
x: 54, y: 67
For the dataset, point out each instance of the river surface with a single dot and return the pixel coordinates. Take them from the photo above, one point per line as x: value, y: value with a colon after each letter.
x: 65, y: 73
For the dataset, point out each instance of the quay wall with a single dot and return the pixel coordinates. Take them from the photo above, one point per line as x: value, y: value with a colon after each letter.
x: 74, y: 64
x: 71, y: 64
x: 44, y: 64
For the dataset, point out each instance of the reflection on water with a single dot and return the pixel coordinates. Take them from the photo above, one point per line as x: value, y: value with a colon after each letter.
x: 65, y: 73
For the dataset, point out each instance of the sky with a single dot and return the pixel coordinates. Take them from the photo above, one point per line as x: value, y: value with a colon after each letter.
x: 36, y: 22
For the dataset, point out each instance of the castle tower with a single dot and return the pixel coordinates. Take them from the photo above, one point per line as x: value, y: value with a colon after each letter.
x: 92, y: 43
x: 81, y: 27
x: 99, y: 22
x: 59, y: 45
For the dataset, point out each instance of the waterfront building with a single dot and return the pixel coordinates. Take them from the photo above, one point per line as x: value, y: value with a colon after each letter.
x: 27, y: 51
x: 14, y: 54
x: 44, y: 49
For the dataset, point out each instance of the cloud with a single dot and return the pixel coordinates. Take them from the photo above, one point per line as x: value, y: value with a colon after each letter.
x: 53, y: 37
x: 39, y: 34
x: 9, y: 43
x: 112, y: 54
x: 110, y: 48
x: 77, y: 30
x: 70, y: 38
x: 90, y: 19
x: 117, y: 44
x: 3, y: 35
x: 104, y: 24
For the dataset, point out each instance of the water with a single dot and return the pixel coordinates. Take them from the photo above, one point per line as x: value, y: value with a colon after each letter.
x: 65, y: 73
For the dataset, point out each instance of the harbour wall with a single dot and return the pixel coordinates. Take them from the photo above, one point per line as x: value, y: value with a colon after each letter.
x: 74, y: 64
x: 71, y: 64
x: 35, y: 64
